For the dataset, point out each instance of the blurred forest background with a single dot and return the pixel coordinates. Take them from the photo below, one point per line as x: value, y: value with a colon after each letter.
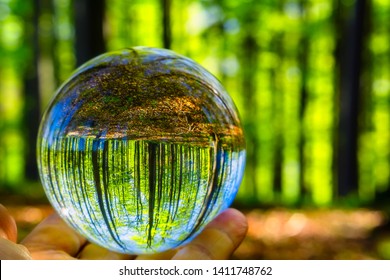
x: 311, y: 79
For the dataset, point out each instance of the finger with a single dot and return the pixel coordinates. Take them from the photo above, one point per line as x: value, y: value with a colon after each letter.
x: 8, y: 228
x: 53, y: 239
x: 167, y: 255
x: 218, y: 240
x: 95, y: 252
x: 11, y: 251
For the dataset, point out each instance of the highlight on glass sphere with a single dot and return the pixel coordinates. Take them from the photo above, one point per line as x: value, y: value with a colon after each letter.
x: 139, y: 149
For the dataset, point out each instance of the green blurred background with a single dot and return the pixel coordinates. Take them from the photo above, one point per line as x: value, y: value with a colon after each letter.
x: 289, y: 66
x: 311, y: 80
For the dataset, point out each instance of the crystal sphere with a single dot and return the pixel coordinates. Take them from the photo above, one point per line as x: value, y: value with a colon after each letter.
x: 139, y: 149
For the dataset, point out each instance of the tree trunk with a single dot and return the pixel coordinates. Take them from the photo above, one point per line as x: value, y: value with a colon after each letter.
x: 31, y: 113
x: 350, y: 69
x: 89, y: 18
x: 166, y: 23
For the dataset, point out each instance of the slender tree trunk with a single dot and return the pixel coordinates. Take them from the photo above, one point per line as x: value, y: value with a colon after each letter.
x: 338, y: 23
x: 277, y: 112
x: 50, y: 6
x: 303, y: 65
x: 350, y: 70
x: 166, y: 23
x: 249, y: 88
x: 31, y: 114
x: 89, y: 19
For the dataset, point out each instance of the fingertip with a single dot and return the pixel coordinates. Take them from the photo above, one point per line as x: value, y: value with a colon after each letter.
x: 234, y: 223
x: 53, y: 236
x: 236, y: 218
x: 94, y: 252
x: 219, y: 239
x: 11, y: 251
x: 8, y: 229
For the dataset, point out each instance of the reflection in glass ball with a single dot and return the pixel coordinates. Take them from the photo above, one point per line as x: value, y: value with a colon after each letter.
x: 140, y: 149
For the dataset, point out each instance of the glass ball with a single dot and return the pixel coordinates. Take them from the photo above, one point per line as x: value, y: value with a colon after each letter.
x: 139, y: 149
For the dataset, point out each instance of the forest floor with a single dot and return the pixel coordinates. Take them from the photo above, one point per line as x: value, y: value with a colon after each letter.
x: 281, y: 233
x: 323, y: 234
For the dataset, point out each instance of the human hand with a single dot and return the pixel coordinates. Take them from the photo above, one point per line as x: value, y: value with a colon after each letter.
x: 53, y: 239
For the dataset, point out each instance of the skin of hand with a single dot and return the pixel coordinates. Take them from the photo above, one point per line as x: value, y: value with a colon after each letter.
x: 53, y: 239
